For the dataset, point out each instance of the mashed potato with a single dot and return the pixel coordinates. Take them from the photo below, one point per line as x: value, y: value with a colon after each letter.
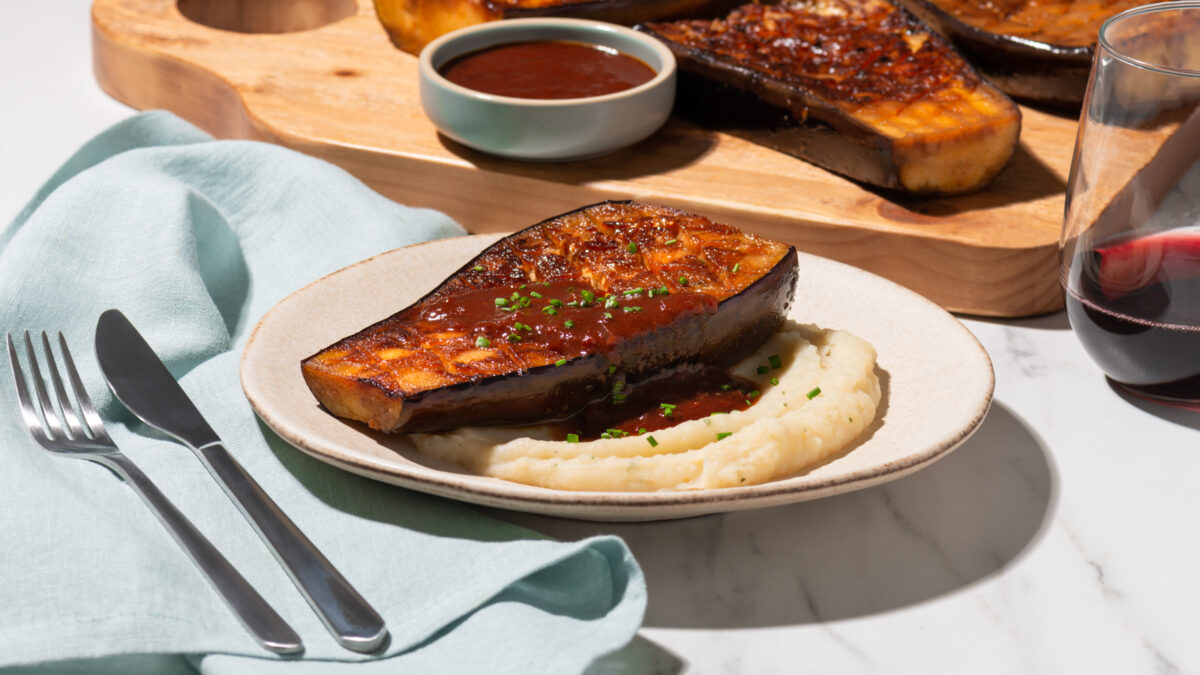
x: 784, y: 432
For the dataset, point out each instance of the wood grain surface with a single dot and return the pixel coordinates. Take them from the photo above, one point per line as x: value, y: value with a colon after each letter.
x: 335, y: 87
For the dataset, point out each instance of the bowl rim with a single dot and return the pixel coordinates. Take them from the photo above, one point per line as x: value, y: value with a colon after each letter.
x: 550, y: 25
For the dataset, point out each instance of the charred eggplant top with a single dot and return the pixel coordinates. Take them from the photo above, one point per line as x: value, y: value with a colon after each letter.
x: 842, y: 51
x: 613, y: 286
x: 867, y: 59
x: 1056, y: 24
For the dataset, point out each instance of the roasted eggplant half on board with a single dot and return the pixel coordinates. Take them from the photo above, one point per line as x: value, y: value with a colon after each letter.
x: 1036, y: 50
x: 412, y: 24
x: 859, y: 87
x: 546, y: 320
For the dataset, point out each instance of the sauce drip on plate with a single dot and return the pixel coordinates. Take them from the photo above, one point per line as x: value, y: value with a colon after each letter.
x: 689, y: 392
x: 547, y: 69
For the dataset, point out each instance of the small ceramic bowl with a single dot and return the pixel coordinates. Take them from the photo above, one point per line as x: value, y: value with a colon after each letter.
x: 546, y: 130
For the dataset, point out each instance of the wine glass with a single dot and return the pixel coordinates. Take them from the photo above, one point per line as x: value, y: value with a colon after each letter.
x: 1130, y: 245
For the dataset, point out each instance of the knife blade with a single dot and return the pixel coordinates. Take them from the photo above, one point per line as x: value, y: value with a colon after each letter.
x: 140, y: 380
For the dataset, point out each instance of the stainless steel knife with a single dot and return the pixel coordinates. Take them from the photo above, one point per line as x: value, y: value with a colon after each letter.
x: 139, y: 379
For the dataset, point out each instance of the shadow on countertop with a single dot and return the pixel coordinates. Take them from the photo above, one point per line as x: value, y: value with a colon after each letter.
x: 947, y: 527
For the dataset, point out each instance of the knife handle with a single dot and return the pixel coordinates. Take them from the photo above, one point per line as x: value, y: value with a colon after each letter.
x: 354, y: 623
x: 267, y: 627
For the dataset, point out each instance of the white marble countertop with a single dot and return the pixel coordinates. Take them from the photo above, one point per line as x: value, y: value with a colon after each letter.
x: 1058, y: 539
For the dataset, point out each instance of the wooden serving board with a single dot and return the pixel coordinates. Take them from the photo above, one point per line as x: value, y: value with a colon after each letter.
x: 339, y: 90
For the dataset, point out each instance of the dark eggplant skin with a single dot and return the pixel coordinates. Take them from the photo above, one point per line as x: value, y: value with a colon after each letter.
x: 776, y: 75
x: 725, y: 98
x: 627, y: 12
x: 411, y: 24
x: 1052, y: 76
x: 742, y: 318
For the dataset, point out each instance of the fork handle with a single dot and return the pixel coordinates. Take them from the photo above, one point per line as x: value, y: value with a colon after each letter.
x: 271, y: 631
x: 351, y: 620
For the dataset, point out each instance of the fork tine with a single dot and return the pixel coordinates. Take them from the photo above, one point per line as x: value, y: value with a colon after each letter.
x: 53, y: 426
x: 32, y: 421
x: 91, y: 417
x: 64, y: 403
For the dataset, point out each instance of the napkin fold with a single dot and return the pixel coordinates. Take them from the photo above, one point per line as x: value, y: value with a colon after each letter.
x: 194, y: 240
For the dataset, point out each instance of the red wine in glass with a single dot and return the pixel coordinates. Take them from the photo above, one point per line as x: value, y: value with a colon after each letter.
x: 1134, y: 302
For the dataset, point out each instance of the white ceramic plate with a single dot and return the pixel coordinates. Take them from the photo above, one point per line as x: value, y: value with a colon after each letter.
x: 937, y: 385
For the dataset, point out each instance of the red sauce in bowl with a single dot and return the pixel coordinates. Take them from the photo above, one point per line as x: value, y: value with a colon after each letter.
x: 547, y: 69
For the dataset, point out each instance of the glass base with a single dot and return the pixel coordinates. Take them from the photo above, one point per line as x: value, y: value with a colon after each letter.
x: 1168, y: 394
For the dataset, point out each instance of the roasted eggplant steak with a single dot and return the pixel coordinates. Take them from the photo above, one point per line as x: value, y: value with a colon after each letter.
x: 859, y: 87
x: 546, y: 320
x: 412, y: 24
x: 1036, y: 50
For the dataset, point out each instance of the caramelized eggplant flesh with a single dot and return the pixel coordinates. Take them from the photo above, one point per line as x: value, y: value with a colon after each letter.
x: 1036, y: 50
x: 552, y: 318
x: 859, y: 87
x: 411, y: 24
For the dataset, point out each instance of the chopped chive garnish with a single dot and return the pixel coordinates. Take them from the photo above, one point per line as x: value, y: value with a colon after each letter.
x: 816, y: 391
x: 569, y: 323
x: 572, y: 438
x: 633, y: 291
x: 587, y: 295
x: 501, y: 302
x: 736, y: 267
x: 618, y: 385
x: 522, y: 286
x: 641, y: 430
x: 633, y: 247
x: 478, y: 268
x: 483, y: 342
x: 610, y: 302
x: 545, y: 283
x: 722, y: 435
x: 753, y: 394
x: 615, y: 433
x: 653, y: 443
x: 535, y: 294
x: 720, y: 412
x: 513, y: 337
x: 668, y: 409
x: 515, y: 295
x: 724, y: 387
x: 631, y: 309
x: 560, y: 362
x: 608, y: 315
x: 554, y: 302
x: 761, y: 370
x: 574, y: 303
x: 612, y: 369
x: 517, y: 325
x: 774, y: 380
x: 671, y: 241
x: 683, y: 281
x: 549, y: 310
x: 775, y: 361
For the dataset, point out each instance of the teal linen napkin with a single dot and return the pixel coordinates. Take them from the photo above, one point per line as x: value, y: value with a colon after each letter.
x: 195, y: 240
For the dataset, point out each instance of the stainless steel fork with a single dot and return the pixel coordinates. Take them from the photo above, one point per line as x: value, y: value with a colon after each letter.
x: 62, y: 432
